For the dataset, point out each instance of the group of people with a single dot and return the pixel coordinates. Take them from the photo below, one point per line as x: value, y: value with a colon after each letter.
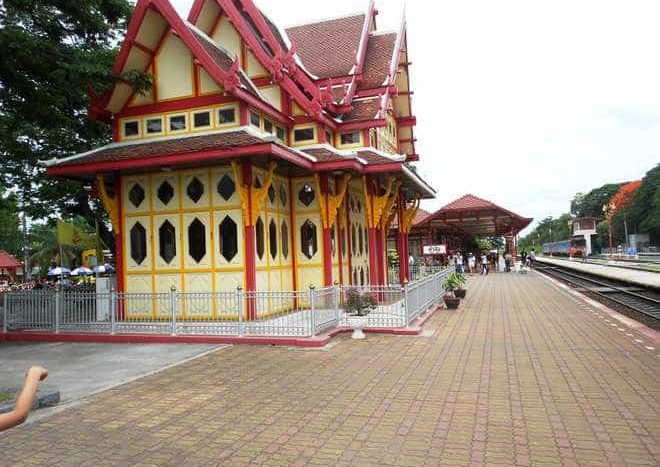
x: 485, y: 262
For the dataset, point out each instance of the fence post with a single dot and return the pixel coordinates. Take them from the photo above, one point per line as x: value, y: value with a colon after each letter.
x: 58, y: 295
x: 239, y: 306
x: 173, y: 297
x: 113, y: 311
x: 404, y: 303
x: 337, y: 295
x: 5, y: 313
x: 313, y: 311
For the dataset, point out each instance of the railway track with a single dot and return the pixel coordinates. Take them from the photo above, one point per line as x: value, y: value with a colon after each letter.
x: 630, y: 297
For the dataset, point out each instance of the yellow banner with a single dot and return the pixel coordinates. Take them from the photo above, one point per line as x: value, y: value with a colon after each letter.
x: 68, y: 234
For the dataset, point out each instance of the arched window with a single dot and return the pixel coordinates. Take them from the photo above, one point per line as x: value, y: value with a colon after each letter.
x: 228, y: 238
x: 197, y: 240
x: 259, y: 234
x: 138, y: 243
x: 167, y: 241
x: 272, y: 238
x: 308, y: 243
x: 285, y: 240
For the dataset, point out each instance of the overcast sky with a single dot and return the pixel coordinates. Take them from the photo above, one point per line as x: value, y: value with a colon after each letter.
x: 523, y: 102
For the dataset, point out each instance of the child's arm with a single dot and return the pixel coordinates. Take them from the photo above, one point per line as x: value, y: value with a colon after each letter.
x: 20, y: 413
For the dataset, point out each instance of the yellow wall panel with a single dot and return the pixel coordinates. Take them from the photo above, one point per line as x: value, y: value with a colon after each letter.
x: 128, y: 184
x: 229, y: 281
x: 217, y: 200
x: 273, y: 95
x: 254, y: 68
x: 196, y: 300
x: 227, y: 37
x: 158, y: 222
x: 236, y: 216
x: 187, y: 181
x: 174, y: 69
x: 130, y: 264
x: 139, y: 304
x: 157, y: 182
x: 162, y: 285
x: 207, y: 85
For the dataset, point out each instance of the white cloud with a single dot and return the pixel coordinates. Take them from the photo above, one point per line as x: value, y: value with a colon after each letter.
x: 523, y: 102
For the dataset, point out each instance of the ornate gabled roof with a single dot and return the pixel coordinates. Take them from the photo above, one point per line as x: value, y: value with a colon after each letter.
x: 467, y: 202
x: 378, y: 60
x: 364, y: 109
x: 329, y: 48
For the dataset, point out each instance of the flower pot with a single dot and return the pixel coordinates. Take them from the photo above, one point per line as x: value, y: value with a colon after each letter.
x: 452, y: 302
x: 460, y: 293
x: 357, y: 323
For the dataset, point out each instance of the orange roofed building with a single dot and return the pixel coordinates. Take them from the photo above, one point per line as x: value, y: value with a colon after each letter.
x: 267, y: 158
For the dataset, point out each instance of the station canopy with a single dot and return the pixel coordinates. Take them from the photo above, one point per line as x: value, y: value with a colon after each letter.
x: 475, y: 217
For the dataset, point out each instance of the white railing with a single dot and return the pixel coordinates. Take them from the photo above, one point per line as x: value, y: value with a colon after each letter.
x: 236, y: 313
x: 416, y: 272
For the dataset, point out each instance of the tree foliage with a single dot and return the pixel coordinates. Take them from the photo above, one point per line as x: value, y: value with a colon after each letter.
x: 591, y: 204
x: 643, y: 213
x: 52, y: 51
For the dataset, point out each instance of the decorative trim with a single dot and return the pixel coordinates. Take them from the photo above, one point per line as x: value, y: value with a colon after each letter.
x: 110, y: 204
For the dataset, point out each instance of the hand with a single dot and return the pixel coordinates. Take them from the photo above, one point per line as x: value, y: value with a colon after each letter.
x: 38, y: 372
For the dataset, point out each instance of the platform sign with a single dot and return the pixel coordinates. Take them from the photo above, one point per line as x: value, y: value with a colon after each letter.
x: 434, y: 249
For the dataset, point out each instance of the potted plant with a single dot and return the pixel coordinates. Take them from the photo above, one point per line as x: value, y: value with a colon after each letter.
x: 450, y: 285
x: 460, y: 292
x: 358, y: 306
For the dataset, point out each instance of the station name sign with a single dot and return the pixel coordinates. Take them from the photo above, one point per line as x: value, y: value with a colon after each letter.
x: 434, y: 249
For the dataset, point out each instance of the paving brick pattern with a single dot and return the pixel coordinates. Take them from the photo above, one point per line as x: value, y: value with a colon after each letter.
x: 522, y: 374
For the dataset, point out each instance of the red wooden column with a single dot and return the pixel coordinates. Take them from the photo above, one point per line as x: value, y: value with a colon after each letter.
x: 371, y: 234
x: 327, y: 241
x: 401, y: 243
x: 381, y: 256
x: 250, y: 244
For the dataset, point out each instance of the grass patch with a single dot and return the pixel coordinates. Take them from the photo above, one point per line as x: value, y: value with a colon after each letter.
x: 5, y: 396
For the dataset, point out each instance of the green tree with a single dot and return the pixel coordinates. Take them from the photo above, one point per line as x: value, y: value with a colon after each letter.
x: 10, y: 234
x: 591, y: 204
x: 52, y: 51
x: 643, y: 214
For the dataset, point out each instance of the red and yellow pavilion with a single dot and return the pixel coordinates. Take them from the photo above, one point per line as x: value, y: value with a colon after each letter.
x: 262, y: 157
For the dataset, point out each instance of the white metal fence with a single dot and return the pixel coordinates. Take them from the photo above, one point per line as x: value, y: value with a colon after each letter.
x: 416, y: 271
x: 276, y: 314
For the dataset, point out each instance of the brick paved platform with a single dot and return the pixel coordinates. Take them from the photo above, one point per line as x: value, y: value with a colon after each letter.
x: 522, y: 374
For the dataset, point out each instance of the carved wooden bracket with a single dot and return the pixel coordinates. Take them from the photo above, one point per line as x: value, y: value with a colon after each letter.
x: 109, y: 203
x: 409, y: 216
x: 388, y: 213
x: 374, y: 215
x: 257, y: 195
x: 334, y: 201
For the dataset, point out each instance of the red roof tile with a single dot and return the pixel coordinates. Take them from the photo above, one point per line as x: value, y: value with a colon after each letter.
x: 363, y: 109
x: 468, y: 202
x: 8, y: 261
x: 380, y: 48
x: 324, y: 155
x: 329, y: 48
x: 146, y: 148
x: 373, y: 158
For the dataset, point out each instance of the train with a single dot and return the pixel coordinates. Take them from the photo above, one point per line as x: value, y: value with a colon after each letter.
x: 575, y: 246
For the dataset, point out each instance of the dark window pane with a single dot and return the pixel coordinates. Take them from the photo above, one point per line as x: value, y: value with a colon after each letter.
x: 195, y: 189
x: 271, y: 193
x: 138, y: 243
x: 154, y: 125
x: 197, y: 240
x: 333, y: 241
x: 178, y: 123
x: 350, y: 138
x: 228, y: 238
x: 308, y: 243
x: 131, y: 128
x: 167, y: 241
x: 306, y: 195
x: 272, y: 238
x: 285, y: 240
x: 328, y: 137
x: 303, y: 134
x: 226, y: 115
x: 283, y: 195
x: 259, y: 234
x: 165, y: 192
x: 136, y: 195
x: 281, y: 134
x: 268, y: 126
x: 361, y: 241
x: 257, y: 181
x: 255, y: 119
x: 226, y: 187
x: 202, y: 119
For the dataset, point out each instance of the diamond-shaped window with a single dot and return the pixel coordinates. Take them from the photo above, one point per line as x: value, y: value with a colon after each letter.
x: 306, y: 195
x: 271, y: 194
x: 167, y: 241
x: 272, y: 238
x: 228, y: 238
x: 259, y: 234
x: 226, y: 187
x: 138, y: 243
x: 165, y: 192
x: 195, y: 189
x: 136, y: 195
x: 285, y: 240
x: 197, y: 240
x: 308, y: 242
x: 283, y: 196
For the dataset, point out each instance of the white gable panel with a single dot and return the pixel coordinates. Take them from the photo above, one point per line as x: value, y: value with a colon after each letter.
x: 174, y: 69
x: 151, y: 30
x: 227, y: 37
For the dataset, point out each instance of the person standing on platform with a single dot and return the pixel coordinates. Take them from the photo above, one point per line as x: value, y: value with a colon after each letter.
x: 459, y: 262
x: 507, y: 261
x: 472, y: 263
x: 484, y: 264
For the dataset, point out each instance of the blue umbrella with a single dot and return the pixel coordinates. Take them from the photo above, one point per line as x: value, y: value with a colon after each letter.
x: 81, y: 271
x: 104, y: 269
